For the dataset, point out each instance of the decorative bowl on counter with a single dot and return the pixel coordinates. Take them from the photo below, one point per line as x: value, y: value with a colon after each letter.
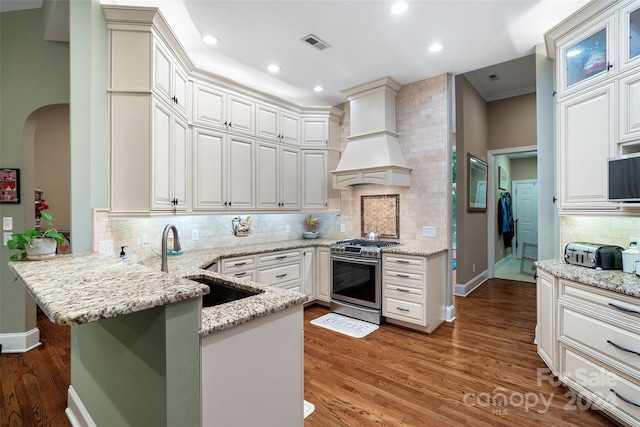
x: 310, y: 234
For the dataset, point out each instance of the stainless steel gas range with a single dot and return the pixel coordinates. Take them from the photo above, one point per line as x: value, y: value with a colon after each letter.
x: 356, y: 278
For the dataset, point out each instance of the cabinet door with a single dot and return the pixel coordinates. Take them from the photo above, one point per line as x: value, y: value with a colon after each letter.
x: 268, y: 176
x: 314, y: 179
x: 209, y: 170
x: 322, y: 285
x: 315, y: 132
x: 161, y: 156
x: 587, y: 56
x: 180, y: 163
x: 267, y: 126
x: 180, y: 90
x: 289, y: 128
x: 545, y: 303
x: 241, y: 166
x: 289, y: 171
x: 586, y: 140
x: 241, y: 115
x: 307, y: 273
x: 162, y: 71
x: 629, y: 111
x: 629, y: 18
x: 210, y: 106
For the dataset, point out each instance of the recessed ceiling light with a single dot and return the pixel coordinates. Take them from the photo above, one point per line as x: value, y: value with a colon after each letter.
x: 318, y: 89
x: 273, y: 68
x: 436, y: 47
x: 399, y: 8
x: 211, y: 40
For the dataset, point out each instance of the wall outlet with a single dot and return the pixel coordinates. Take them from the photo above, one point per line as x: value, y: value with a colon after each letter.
x: 287, y: 228
x: 6, y: 238
x: 428, y: 232
x: 195, y: 234
x: 144, y: 241
x: 105, y: 247
x: 7, y: 223
x: 636, y: 240
x: 342, y: 228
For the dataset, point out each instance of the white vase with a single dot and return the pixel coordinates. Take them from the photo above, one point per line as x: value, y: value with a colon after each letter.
x: 41, y: 248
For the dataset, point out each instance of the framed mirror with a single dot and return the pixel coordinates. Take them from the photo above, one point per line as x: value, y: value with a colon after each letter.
x: 476, y: 184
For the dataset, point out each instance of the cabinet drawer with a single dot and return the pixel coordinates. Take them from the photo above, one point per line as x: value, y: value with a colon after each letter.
x: 404, y: 276
x: 412, y: 262
x: 618, y: 305
x: 280, y: 274
x: 271, y: 258
x: 612, y: 388
x: 604, y: 338
x: 295, y: 286
x: 404, y: 310
x: 249, y: 275
x: 392, y: 288
x: 239, y: 263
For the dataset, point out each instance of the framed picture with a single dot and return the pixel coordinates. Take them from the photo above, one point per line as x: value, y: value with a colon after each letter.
x: 503, y: 178
x: 9, y: 185
x: 476, y: 184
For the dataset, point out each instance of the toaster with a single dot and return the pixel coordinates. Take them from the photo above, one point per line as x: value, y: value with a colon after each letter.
x: 594, y: 255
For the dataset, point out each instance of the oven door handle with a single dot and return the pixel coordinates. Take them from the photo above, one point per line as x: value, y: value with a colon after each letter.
x: 371, y: 261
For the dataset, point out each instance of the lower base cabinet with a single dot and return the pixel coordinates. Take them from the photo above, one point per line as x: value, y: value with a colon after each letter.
x: 252, y: 374
x: 589, y: 338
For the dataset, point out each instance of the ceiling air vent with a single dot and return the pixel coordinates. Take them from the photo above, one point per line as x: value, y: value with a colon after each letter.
x: 493, y: 77
x: 315, y: 42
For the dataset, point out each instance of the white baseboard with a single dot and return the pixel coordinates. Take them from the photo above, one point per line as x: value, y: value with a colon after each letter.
x: 20, y: 342
x: 462, y: 290
x: 450, y: 313
x: 76, y: 412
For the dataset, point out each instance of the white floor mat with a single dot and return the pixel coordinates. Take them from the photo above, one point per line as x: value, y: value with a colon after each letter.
x: 308, y: 408
x: 345, y: 325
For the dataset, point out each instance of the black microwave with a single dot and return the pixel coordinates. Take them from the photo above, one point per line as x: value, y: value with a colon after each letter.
x: 624, y: 178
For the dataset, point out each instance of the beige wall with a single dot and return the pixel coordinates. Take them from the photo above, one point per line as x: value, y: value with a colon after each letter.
x: 471, y: 137
x: 525, y: 168
x: 512, y: 122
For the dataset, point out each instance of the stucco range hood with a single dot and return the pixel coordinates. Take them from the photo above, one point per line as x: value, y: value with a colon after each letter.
x: 373, y: 154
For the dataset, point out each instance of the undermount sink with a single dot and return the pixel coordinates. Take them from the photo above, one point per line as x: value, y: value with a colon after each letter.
x: 221, y: 293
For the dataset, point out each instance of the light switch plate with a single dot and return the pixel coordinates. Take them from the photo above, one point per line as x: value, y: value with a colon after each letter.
x: 6, y: 237
x: 288, y: 228
x: 428, y: 232
x: 7, y: 223
x: 342, y: 228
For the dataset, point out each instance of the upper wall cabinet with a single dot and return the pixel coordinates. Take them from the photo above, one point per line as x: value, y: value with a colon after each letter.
x: 277, y: 125
x: 587, y: 56
x: 629, y: 18
x: 170, y: 80
x: 218, y: 108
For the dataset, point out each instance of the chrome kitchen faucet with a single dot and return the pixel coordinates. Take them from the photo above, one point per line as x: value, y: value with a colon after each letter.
x: 176, y: 244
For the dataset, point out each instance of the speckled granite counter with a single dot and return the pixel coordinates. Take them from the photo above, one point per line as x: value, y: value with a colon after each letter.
x: 425, y: 250
x: 82, y: 288
x: 612, y: 280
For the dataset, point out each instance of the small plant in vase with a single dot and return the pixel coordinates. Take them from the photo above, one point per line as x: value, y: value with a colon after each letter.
x: 311, y: 222
x: 36, y: 244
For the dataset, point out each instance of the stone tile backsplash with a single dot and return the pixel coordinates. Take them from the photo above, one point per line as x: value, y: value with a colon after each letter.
x: 605, y: 230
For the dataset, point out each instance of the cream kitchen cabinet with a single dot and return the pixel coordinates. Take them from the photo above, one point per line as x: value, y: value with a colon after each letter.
x: 322, y: 279
x: 219, y: 108
x: 317, y: 192
x: 308, y: 271
x: 413, y: 290
x: 586, y: 140
x: 223, y: 174
x: 243, y: 267
x: 278, y: 125
x: 629, y: 104
x: 282, y: 269
x: 170, y: 80
x: 322, y: 130
x: 629, y: 38
x: 546, y: 315
x: 278, y: 177
x: 170, y: 152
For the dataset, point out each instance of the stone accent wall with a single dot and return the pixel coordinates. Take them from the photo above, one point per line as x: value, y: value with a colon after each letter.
x: 422, y: 126
x: 605, y: 230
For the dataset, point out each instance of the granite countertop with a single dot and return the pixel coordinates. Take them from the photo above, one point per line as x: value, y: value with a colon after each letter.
x: 612, y: 280
x: 82, y: 288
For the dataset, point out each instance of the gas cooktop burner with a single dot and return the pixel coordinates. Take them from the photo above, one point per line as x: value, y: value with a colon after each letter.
x: 361, y: 247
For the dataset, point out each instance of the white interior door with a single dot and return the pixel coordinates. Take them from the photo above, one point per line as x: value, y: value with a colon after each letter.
x: 525, y: 213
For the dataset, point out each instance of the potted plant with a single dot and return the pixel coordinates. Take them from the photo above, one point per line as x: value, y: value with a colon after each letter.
x: 311, y: 222
x: 36, y: 244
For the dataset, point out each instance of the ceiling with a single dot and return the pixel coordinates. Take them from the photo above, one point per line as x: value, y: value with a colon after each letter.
x: 367, y: 42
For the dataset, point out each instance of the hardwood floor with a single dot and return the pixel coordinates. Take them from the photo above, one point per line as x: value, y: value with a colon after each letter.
x: 393, y: 377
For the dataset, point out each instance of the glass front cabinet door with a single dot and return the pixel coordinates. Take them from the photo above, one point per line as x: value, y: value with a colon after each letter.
x: 586, y: 56
x: 629, y: 18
